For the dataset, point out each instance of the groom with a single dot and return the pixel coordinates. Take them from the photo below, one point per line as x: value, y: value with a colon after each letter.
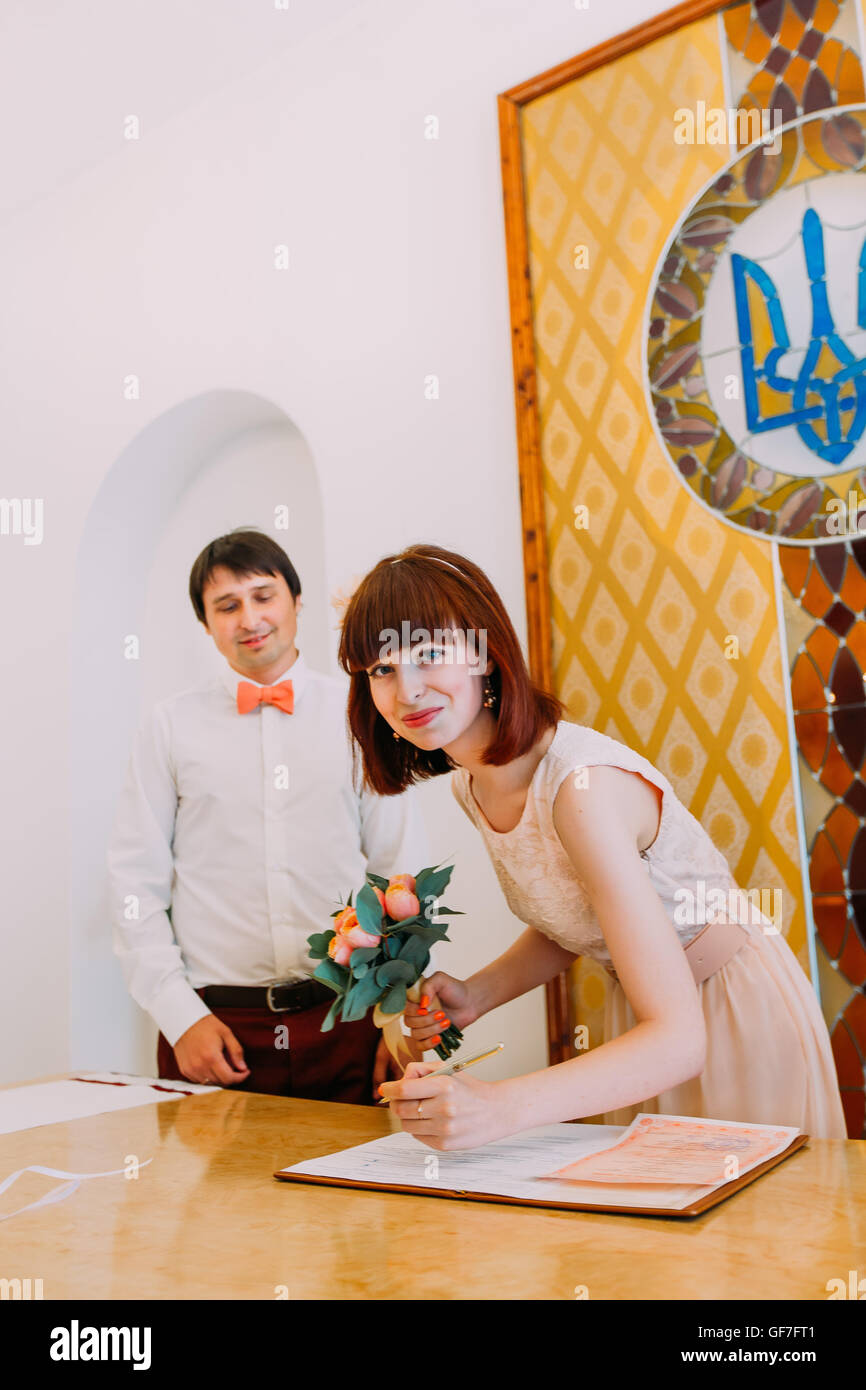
x: 239, y: 826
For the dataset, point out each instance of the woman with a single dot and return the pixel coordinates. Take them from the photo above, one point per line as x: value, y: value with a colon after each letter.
x: 595, y: 852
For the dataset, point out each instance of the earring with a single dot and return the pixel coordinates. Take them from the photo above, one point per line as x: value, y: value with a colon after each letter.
x: 489, y: 697
x: 397, y: 736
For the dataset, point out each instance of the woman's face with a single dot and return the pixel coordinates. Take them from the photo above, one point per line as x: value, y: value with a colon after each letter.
x: 431, y: 693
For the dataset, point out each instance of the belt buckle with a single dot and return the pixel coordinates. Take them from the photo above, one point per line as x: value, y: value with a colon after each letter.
x: 286, y: 1008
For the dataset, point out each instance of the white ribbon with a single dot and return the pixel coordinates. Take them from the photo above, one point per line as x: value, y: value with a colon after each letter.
x: 70, y: 1184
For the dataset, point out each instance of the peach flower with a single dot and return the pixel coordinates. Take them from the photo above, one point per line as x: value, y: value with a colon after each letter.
x: 402, y: 881
x: 349, y: 930
x: 400, y: 902
x: 340, y: 950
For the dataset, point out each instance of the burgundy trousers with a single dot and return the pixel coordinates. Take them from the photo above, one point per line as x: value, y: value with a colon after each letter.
x: 315, y: 1066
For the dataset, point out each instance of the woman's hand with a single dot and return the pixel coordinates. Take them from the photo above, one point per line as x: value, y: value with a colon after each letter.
x: 448, y: 1001
x: 457, y: 1112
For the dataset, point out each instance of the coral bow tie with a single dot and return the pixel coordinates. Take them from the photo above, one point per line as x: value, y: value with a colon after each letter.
x: 249, y: 696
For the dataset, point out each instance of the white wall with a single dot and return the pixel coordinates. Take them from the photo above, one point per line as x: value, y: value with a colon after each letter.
x: 155, y: 258
x: 223, y: 459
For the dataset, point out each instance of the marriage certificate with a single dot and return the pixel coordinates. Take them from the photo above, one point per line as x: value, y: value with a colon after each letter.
x: 565, y: 1164
x: 673, y: 1149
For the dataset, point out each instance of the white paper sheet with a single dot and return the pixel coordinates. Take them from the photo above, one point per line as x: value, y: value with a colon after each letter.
x: 512, y: 1167
x: 51, y: 1102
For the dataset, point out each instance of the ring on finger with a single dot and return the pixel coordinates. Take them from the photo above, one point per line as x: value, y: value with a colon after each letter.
x: 420, y: 1111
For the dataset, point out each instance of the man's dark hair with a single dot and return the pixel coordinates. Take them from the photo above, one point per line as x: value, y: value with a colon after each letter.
x: 244, y: 552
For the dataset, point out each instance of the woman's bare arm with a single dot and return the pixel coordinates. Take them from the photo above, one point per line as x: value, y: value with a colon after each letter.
x: 599, y: 827
x: 532, y: 960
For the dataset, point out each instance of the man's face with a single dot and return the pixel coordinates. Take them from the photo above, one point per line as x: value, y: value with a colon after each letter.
x: 253, y: 620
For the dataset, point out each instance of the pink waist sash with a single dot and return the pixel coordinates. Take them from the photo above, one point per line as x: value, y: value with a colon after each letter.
x: 713, y: 947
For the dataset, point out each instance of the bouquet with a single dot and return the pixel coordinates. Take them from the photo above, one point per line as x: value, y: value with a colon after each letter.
x: 378, y: 950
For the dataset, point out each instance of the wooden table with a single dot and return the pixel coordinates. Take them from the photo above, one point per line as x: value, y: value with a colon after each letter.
x: 207, y: 1220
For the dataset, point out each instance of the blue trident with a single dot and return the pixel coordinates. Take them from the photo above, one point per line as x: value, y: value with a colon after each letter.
x: 845, y: 390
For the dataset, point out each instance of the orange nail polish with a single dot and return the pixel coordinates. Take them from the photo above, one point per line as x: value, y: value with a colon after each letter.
x: 381, y: 1089
x: 439, y: 1016
x: 424, y: 1000
x: 434, y: 1041
x: 423, y: 1011
x: 447, y: 1022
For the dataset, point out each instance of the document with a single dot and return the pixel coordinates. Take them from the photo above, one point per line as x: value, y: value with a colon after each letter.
x: 520, y: 1166
x: 92, y: 1093
x: 676, y: 1149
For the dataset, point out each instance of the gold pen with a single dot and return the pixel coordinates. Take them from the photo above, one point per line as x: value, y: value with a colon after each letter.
x: 449, y: 1068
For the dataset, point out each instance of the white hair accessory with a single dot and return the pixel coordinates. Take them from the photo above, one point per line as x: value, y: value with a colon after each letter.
x: 438, y: 560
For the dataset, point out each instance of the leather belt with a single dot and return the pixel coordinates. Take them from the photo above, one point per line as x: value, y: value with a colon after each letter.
x: 713, y: 947
x: 289, y: 998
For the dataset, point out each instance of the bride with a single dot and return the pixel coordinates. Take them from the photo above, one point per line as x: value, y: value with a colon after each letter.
x: 594, y: 852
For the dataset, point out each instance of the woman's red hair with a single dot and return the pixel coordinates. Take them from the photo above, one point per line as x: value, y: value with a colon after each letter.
x: 431, y: 588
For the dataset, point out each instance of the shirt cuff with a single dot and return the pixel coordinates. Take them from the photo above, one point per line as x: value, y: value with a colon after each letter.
x: 176, y: 1008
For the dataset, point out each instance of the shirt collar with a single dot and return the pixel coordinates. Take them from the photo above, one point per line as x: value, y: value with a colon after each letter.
x: 297, y: 673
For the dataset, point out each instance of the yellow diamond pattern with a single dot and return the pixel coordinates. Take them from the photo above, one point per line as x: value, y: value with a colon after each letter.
x: 644, y: 600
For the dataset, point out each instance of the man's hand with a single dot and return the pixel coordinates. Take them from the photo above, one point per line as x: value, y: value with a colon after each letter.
x: 210, y: 1054
x: 384, y: 1068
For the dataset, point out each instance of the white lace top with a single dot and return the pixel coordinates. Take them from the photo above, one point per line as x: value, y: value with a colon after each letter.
x: 538, y: 879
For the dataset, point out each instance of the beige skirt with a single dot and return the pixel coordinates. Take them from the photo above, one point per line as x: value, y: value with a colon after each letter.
x: 769, y: 1059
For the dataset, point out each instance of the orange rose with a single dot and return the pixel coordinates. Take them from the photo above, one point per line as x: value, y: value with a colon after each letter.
x: 400, y: 902
x: 349, y: 930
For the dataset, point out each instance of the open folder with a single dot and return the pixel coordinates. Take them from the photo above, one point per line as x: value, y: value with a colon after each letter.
x: 660, y: 1165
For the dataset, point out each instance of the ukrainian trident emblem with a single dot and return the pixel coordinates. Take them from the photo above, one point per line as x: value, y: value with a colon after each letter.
x: 756, y: 335
x: 829, y: 391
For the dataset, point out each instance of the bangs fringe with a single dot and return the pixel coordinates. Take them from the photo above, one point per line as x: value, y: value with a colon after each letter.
x: 391, y: 595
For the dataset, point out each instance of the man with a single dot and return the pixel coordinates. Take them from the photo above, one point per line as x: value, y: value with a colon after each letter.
x: 240, y: 825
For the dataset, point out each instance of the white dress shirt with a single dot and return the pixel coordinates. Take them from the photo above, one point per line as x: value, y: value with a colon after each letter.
x: 235, y: 836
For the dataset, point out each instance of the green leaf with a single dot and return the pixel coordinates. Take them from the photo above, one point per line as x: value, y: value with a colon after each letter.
x: 362, y: 994
x: 434, y: 884
x: 416, y: 953
x: 449, y: 912
x: 378, y: 880
x: 398, y: 926
x: 369, y: 911
x: 395, y: 1000
x: 333, y: 975
x: 426, y: 932
x: 423, y: 874
x: 359, y: 971
x: 330, y: 1017
x: 394, y: 971
x: 318, y: 943
x: 363, y: 955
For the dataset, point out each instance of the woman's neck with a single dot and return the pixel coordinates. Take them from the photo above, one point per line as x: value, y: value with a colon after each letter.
x: 508, y: 778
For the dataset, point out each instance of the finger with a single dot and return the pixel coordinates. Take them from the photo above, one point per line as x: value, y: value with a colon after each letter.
x: 425, y: 1028
x: 418, y: 1087
x: 232, y: 1047
x: 417, y: 1069
x: 424, y: 1130
x: 432, y: 984
x: 427, y: 998
x: 223, y: 1074
x: 408, y: 1110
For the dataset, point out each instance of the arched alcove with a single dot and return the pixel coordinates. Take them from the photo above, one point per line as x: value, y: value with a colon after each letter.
x: 223, y: 459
